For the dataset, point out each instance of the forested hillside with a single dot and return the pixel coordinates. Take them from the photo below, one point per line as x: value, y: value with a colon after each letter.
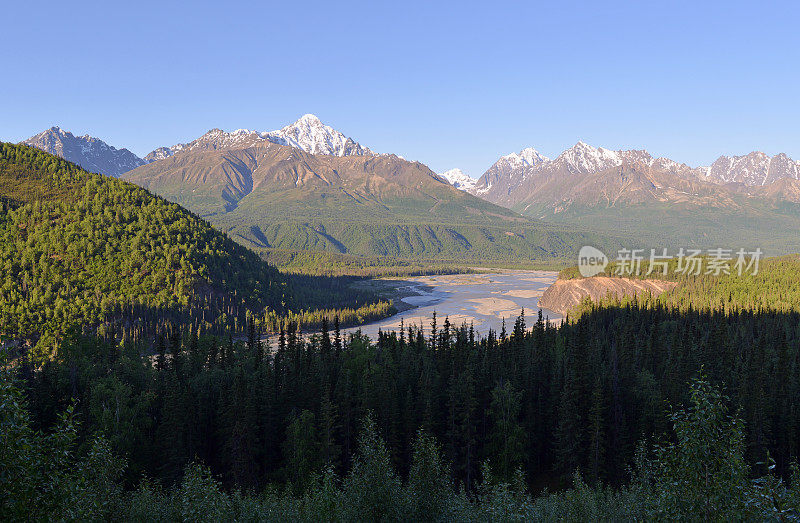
x: 81, y: 249
x: 739, y: 221
x: 108, y: 268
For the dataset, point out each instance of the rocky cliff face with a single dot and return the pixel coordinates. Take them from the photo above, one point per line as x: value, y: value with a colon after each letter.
x: 564, y: 295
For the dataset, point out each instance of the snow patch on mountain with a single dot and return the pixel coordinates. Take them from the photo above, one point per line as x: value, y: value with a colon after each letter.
x: 527, y: 157
x: 583, y: 158
x: 754, y: 169
x: 458, y: 179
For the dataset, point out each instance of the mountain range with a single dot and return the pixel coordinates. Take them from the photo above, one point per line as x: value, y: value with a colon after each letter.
x: 751, y: 199
x: 271, y: 196
x: 308, y: 133
x: 308, y: 186
x: 513, y: 178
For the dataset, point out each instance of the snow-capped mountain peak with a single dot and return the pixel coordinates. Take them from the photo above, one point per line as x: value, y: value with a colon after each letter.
x: 509, y: 170
x: 311, y: 135
x: 307, y: 133
x: 584, y: 158
x: 458, y: 179
x: 309, y: 119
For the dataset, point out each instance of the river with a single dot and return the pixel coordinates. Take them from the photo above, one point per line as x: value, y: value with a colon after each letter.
x: 481, y: 299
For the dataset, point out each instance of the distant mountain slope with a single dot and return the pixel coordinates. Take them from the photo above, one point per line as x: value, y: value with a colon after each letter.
x: 91, y: 153
x: 273, y: 196
x: 507, y: 172
x: 657, y: 199
x: 512, y: 179
x: 754, y: 169
x: 80, y: 249
x: 308, y: 134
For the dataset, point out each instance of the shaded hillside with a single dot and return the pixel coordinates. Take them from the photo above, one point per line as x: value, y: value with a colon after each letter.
x: 271, y: 196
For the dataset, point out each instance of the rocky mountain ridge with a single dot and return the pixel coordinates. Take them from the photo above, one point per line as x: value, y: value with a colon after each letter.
x: 90, y: 153
x: 308, y: 133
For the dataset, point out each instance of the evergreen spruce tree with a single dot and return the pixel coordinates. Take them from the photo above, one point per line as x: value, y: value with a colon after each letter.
x: 329, y: 432
x: 337, y: 337
x: 507, y: 439
x: 597, y: 434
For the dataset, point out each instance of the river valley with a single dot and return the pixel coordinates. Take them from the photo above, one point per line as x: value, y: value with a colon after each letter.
x: 483, y: 300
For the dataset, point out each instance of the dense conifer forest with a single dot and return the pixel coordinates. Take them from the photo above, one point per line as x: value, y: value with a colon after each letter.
x: 773, y: 286
x: 630, y: 407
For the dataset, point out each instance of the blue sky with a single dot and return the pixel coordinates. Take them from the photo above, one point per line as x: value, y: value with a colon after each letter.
x: 449, y: 84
